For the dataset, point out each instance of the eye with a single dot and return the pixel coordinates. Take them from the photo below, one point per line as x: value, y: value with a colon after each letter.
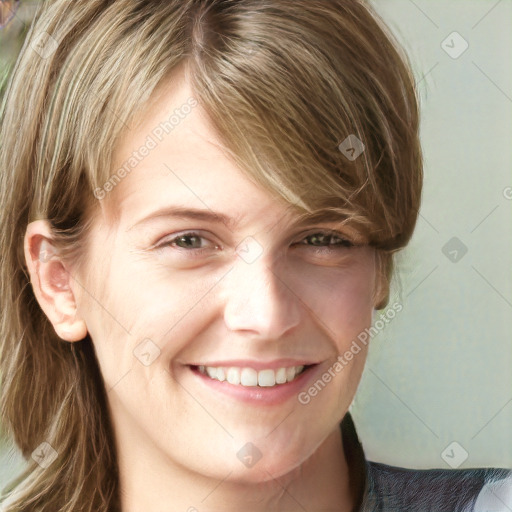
x: 193, y: 242
x: 332, y: 240
x: 189, y: 241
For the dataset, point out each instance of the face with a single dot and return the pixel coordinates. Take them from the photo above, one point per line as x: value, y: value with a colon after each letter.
x: 177, y: 303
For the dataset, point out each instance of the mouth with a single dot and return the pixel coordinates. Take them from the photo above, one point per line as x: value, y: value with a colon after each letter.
x: 249, y: 377
x: 254, y: 383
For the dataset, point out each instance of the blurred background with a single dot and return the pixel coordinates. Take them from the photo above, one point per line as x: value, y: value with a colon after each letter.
x: 12, y: 36
x: 437, y: 387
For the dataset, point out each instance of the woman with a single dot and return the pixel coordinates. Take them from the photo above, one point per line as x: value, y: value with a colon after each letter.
x: 216, y: 190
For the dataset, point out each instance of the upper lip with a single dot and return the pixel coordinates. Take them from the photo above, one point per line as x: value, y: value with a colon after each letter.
x: 257, y: 365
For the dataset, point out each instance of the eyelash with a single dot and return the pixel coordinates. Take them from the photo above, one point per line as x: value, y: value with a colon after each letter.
x: 342, y: 244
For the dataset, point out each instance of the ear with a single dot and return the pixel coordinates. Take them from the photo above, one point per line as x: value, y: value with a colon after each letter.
x: 381, y: 294
x: 51, y: 282
x: 382, y: 272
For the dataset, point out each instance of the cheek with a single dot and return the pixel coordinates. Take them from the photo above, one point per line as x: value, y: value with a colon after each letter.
x: 352, y: 307
x: 139, y: 307
x: 341, y: 300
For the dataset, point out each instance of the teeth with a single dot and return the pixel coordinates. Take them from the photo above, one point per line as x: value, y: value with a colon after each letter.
x: 266, y: 378
x: 221, y: 374
x: 233, y: 376
x: 250, y: 377
x: 281, y: 376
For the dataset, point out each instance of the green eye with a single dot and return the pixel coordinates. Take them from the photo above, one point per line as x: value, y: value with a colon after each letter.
x: 188, y: 241
x: 182, y: 239
x: 329, y: 239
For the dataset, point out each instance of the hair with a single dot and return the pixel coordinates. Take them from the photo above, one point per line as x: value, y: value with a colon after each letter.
x: 284, y: 82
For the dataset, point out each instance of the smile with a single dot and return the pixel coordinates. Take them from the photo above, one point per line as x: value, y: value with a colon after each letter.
x: 250, y: 377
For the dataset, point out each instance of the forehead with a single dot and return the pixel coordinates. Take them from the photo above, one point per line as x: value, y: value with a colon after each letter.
x: 174, y: 158
x: 171, y: 155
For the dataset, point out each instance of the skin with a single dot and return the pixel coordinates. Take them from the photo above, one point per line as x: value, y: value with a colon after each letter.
x: 178, y: 439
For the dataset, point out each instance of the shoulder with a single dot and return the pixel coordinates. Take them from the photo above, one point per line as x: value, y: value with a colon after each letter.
x: 439, y: 490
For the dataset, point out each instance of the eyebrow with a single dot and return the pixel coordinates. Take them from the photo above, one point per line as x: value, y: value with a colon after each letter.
x: 208, y: 215
x: 179, y: 212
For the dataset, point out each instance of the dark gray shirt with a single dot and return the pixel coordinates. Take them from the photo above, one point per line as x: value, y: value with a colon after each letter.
x: 385, y: 488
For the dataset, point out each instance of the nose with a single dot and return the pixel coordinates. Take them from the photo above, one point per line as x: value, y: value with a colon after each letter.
x: 259, y: 300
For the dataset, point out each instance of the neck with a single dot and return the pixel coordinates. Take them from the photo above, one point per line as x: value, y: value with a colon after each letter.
x: 321, y: 483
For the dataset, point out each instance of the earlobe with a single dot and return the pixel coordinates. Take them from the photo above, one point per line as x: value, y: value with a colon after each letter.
x: 381, y: 289
x: 378, y: 292
x: 381, y: 293
x: 51, y: 282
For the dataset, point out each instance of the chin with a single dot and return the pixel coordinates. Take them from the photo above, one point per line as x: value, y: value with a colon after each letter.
x: 250, y: 464
x: 277, y: 460
x: 265, y: 471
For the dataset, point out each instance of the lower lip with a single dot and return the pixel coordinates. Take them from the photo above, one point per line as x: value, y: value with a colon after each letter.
x: 272, y: 395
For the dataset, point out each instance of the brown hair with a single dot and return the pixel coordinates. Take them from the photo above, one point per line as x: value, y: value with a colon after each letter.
x: 285, y: 82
